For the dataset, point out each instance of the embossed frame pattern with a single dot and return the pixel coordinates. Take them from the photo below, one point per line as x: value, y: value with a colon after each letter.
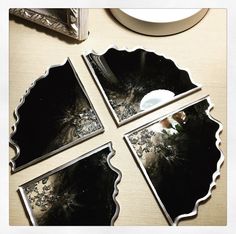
x: 75, y: 27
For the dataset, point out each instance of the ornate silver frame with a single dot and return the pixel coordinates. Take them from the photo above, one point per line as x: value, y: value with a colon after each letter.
x: 25, y: 200
x: 139, y: 114
x: 214, y: 176
x: 76, y: 25
x: 66, y: 146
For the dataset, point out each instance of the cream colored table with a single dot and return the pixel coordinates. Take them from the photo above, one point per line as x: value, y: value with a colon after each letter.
x: 201, y: 50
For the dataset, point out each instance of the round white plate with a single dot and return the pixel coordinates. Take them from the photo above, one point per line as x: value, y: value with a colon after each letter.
x: 159, y: 22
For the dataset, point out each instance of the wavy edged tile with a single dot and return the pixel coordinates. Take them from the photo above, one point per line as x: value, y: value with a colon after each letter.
x: 54, y: 114
x: 80, y: 192
x: 125, y: 78
x: 180, y: 158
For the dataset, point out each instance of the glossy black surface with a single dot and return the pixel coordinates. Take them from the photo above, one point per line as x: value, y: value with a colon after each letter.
x: 180, y: 156
x: 126, y: 77
x: 80, y: 194
x: 55, y: 114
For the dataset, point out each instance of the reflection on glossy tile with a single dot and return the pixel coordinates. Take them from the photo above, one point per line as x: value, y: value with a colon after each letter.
x: 135, y: 82
x: 180, y: 158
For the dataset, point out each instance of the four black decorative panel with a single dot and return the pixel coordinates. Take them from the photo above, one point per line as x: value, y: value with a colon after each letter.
x: 56, y: 113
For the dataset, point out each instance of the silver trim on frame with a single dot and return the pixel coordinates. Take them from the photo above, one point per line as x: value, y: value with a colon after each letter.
x: 75, y: 27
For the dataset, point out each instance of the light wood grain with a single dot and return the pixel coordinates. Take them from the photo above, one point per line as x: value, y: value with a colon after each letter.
x: 201, y: 50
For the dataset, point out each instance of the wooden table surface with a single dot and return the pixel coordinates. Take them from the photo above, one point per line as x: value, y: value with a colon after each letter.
x: 201, y: 50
